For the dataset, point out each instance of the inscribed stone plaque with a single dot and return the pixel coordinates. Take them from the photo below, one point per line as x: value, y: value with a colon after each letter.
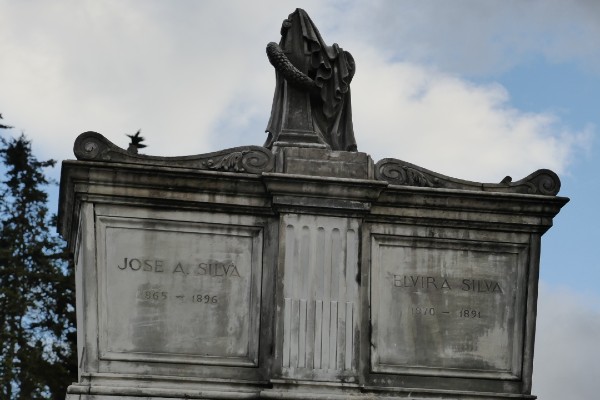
x: 447, y: 307
x: 177, y: 291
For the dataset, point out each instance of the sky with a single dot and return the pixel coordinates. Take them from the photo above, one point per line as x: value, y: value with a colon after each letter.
x: 471, y: 89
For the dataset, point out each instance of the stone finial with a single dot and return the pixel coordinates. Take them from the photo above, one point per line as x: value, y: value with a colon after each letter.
x: 311, y: 105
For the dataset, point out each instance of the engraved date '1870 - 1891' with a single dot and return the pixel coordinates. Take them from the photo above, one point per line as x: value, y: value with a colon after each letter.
x: 432, y: 311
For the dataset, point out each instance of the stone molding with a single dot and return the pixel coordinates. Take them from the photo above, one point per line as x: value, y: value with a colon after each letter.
x: 321, y: 220
x: 92, y: 146
x: 398, y: 172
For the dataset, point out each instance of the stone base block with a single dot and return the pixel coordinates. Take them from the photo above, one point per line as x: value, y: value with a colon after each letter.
x: 322, y: 162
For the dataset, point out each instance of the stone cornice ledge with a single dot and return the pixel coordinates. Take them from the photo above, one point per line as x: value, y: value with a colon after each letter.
x: 425, y: 205
x: 461, y: 199
x: 155, y: 185
x: 323, y: 187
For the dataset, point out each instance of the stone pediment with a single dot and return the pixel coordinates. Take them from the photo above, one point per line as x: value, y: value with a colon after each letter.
x: 92, y: 146
x: 398, y: 172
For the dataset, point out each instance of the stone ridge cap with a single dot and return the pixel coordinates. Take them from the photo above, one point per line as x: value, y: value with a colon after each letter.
x: 398, y: 172
x: 437, y: 191
x: 153, y: 168
x: 92, y: 146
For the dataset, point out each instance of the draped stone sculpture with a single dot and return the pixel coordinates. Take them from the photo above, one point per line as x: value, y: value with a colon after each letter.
x: 311, y: 105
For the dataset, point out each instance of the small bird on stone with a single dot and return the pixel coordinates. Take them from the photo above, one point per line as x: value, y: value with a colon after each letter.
x: 136, y: 142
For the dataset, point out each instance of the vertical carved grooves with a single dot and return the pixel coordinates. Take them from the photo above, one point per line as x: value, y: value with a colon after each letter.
x: 288, y: 284
x: 320, y: 290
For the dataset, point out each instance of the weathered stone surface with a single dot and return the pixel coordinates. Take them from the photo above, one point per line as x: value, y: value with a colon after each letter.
x: 178, y: 291
x: 320, y: 299
x: 319, y: 286
x: 321, y: 162
x: 311, y: 104
x: 166, y: 293
x: 448, y: 306
x: 301, y: 272
x: 398, y: 172
x: 92, y: 146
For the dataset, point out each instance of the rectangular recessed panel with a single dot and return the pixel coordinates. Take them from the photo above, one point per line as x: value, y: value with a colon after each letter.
x: 179, y: 292
x: 447, y: 307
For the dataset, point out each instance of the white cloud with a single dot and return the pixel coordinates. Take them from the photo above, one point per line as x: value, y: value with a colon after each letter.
x: 194, y: 77
x: 171, y: 69
x: 567, y: 347
x: 479, y: 37
x: 453, y: 126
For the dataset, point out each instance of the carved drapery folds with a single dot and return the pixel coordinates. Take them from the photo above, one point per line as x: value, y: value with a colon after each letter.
x: 311, y: 103
x: 398, y: 172
x: 92, y: 146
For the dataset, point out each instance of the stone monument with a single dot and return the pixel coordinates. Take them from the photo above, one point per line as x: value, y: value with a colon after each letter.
x: 301, y: 269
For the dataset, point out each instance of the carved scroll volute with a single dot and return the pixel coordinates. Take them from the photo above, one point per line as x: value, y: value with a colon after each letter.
x: 92, y: 146
x: 257, y: 161
x: 543, y: 181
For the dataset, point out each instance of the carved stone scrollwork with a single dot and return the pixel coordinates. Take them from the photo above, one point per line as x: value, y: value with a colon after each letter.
x: 226, y: 163
x: 403, y: 173
x: 252, y: 160
x: 258, y: 160
x: 92, y: 146
x: 542, y: 181
x: 398, y: 172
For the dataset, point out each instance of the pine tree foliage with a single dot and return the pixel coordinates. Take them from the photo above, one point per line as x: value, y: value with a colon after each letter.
x: 37, y: 333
